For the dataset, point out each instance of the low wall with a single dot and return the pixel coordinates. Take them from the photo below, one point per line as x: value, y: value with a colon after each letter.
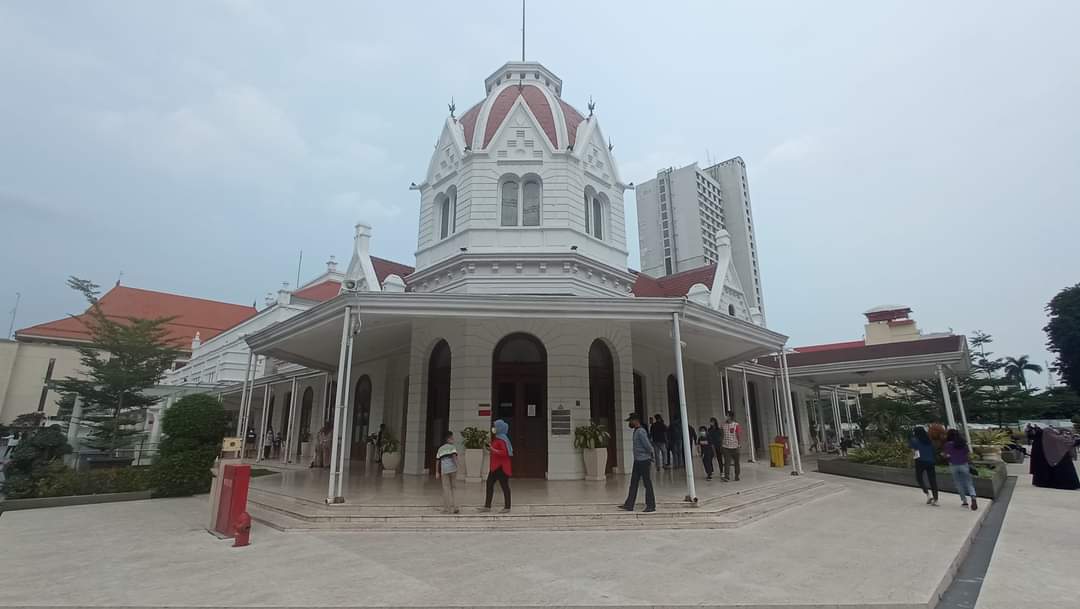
x: 9, y: 505
x: 984, y: 487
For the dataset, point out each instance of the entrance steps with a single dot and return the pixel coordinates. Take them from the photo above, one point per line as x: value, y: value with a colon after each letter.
x: 730, y: 510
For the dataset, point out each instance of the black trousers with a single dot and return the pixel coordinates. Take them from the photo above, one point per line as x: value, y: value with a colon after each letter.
x: 504, y: 481
x: 642, y: 471
x: 706, y: 459
x: 928, y: 469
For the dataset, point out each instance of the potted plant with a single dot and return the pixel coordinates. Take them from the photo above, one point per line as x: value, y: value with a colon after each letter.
x: 391, y: 453
x: 987, y: 443
x: 476, y: 440
x: 593, y: 440
x: 305, y: 444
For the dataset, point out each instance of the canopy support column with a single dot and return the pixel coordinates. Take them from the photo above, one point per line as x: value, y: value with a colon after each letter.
x: 945, y: 395
x: 793, y: 435
x: 286, y: 443
x: 691, y: 492
x: 241, y: 416
x: 262, y: 424
x: 749, y: 419
x: 960, y: 404
x: 332, y: 495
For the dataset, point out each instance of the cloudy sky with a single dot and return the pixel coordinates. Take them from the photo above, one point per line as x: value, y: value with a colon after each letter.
x: 917, y: 153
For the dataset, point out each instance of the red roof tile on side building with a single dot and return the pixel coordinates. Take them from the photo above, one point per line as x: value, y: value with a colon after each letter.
x: 207, y: 317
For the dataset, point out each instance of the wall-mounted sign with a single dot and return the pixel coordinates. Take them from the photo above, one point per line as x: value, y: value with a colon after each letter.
x: 560, y: 422
x: 483, y: 410
x: 230, y: 445
x: 532, y: 410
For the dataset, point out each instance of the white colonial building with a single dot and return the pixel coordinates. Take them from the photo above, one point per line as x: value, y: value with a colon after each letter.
x: 521, y: 307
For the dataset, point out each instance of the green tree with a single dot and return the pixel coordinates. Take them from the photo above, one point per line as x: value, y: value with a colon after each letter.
x: 1063, y: 334
x: 1016, y: 367
x: 192, y: 430
x: 125, y: 357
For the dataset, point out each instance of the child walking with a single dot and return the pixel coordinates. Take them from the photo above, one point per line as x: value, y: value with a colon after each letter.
x: 446, y: 468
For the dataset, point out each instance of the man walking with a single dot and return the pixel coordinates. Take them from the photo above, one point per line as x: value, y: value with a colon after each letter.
x: 643, y: 456
x: 658, y: 432
x: 730, y: 445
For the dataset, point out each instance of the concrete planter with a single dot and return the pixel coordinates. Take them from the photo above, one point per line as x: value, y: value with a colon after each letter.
x: 984, y: 487
x: 474, y: 464
x: 305, y: 450
x: 46, y: 502
x: 595, y: 463
x: 391, y: 462
x: 987, y: 453
x: 1012, y: 456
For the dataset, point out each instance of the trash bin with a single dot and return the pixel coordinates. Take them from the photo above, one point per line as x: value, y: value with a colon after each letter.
x: 776, y: 455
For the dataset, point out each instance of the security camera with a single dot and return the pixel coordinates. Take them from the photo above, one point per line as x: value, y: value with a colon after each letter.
x: 350, y: 285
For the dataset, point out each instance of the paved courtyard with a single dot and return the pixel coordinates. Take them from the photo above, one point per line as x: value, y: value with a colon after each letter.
x: 870, y: 545
x: 1037, y: 557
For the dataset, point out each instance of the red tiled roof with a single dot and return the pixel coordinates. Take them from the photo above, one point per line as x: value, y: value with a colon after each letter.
x: 534, y: 99
x: 468, y: 122
x: 321, y: 292
x: 573, y: 119
x: 926, y: 346
x: 830, y: 346
x: 676, y: 285
x: 207, y: 317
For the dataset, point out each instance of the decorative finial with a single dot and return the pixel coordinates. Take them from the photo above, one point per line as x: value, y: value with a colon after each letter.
x: 592, y: 106
x: 610, y: 144
x: 452, y: 108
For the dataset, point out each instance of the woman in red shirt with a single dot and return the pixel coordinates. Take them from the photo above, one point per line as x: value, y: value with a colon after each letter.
x: 500, y: 452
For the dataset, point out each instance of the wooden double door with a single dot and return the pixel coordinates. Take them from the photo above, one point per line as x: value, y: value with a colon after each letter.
x: 519, y: 397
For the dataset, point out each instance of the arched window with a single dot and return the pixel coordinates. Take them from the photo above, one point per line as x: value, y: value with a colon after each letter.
x: 446, y: 204
x: 361, y: 414
x: 588, y: 212
x: 521, y: 199
x: 530, y: 215
x: 598, y: 218
x: 509, y: 203
x: 731, y: 310
x: 444, y: 217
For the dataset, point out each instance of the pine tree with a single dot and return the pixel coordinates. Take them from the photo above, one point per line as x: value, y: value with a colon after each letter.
x: 124, y: 358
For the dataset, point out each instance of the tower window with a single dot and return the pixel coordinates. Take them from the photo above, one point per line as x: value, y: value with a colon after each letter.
x: 510, y: 204
x: 531, y: 212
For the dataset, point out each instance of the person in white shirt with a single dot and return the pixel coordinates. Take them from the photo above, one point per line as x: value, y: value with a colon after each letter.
x: 730, y: 446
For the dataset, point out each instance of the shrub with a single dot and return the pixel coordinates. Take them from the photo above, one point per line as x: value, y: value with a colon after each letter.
x: 474, y: 437
x: 38, y: 454
x: 389, y: 443
x: 62, y: 481
x: 591, y: 436
x: 192, y: 428
x: 890, y: 454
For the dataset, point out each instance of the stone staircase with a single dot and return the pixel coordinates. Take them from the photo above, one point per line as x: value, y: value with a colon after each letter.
x: 730, y: 510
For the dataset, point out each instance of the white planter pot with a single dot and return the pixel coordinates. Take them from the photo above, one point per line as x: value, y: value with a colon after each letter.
x: 305, y: 450
x: 390, y: 463
x: 595, y: 463
x: 474, y: 464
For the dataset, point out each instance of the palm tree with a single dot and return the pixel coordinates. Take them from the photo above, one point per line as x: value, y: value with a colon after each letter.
x: 1015, y: 367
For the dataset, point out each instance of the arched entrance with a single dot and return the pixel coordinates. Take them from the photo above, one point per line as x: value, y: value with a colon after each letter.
x: 519, y: 397
x: 306, y: 403
x: 438, y: 402
x: 602, y: 394
x: 361, y: 414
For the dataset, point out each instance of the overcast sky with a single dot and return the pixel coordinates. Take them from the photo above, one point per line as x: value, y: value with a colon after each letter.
x: 917, y: 153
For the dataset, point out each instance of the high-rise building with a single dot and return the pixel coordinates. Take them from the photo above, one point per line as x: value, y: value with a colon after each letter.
x: 739, y: 221
x: 681, y: 212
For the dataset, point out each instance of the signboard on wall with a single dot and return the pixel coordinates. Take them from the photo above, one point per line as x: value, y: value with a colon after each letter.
x: 560, y: 422
x: 483, y: 410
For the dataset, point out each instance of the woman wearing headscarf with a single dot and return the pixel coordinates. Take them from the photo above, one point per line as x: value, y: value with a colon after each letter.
x: 501, y: 450
x: 1052, y: 453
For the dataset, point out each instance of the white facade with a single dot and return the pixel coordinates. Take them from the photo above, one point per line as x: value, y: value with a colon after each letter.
x: 682, y: 211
